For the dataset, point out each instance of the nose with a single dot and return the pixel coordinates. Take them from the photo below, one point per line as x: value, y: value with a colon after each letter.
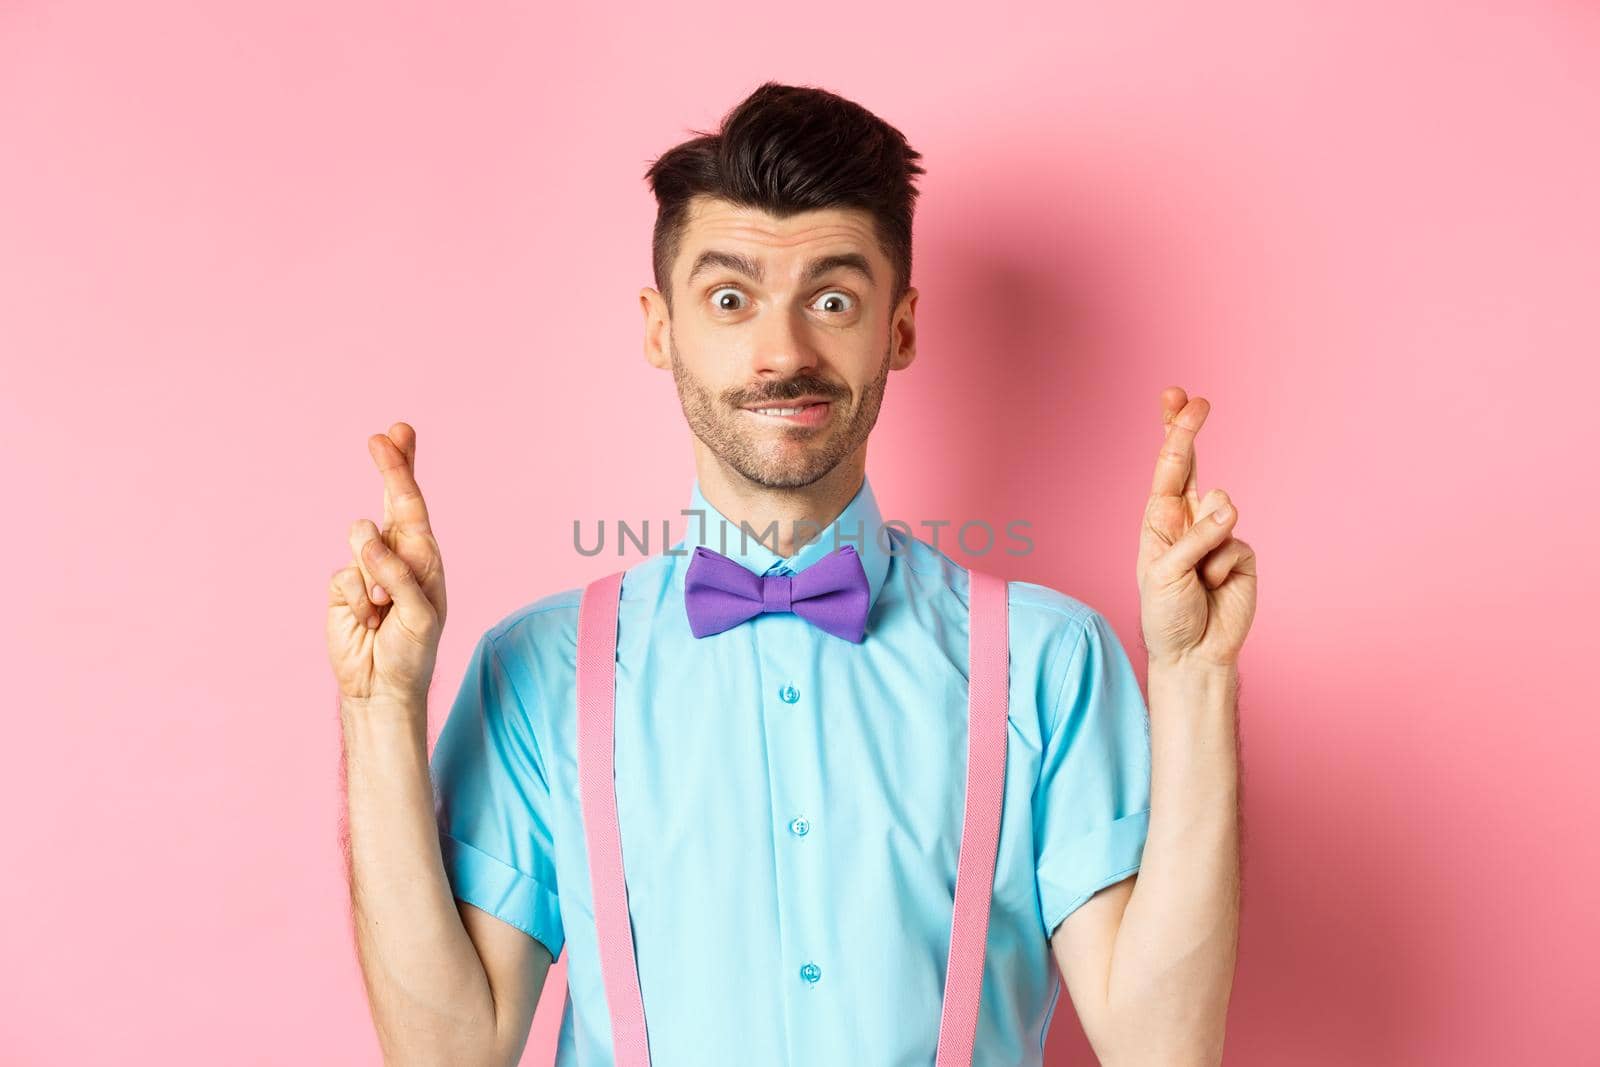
x: 782, y: 346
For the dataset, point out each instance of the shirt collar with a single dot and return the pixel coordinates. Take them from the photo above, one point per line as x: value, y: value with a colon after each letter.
x: 859, y: 525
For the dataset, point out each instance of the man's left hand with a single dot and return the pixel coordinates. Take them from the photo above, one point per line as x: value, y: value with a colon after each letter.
x: 1197, y: 582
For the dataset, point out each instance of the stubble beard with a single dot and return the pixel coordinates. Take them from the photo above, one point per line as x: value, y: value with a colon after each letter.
x: 721, y: 426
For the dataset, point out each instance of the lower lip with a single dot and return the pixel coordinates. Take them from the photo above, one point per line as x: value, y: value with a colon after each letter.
x: 811, y: 415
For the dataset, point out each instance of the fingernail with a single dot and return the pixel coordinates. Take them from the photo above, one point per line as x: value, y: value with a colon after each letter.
x: 378, y: 593
x: 372, y: 622
x: 1221, y: 514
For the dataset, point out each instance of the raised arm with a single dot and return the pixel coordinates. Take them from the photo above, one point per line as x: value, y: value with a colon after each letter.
x: 446, y: 983
x: 1150, y: 961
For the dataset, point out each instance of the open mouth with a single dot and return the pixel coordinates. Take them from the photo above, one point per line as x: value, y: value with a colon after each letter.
x: 803, y: 414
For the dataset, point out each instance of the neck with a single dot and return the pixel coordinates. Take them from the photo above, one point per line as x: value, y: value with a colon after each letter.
x: 800, y: 513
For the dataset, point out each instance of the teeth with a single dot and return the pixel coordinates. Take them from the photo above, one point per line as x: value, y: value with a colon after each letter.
x: 781, y: 411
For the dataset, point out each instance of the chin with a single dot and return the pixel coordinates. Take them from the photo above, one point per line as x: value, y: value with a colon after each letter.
x: 791, y: 472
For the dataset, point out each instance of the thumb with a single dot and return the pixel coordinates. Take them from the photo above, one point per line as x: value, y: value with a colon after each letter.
x: 415, y: 610
x: 1206, y: 534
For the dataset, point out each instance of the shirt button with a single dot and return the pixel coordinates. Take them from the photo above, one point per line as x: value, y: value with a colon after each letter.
x: 799, y: 826
x: 811, y: 972
x: 788, y: 694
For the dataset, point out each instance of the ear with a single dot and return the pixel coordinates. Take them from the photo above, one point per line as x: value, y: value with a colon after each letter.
x: 903, y: 332
x: 657, y: 324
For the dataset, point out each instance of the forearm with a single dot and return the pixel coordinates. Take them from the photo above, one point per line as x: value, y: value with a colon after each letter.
x: 1173, y: 960
x: 430, y: 997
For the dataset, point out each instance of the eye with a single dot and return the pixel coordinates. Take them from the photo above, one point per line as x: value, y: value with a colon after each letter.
x: 727, y: 298
x: 841, y: 301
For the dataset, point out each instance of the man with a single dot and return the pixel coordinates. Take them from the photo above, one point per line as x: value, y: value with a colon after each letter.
x: 789, y: 795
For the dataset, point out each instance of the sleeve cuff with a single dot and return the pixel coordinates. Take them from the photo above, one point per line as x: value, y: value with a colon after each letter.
x: 1102, y: 857
x: 503, y: 891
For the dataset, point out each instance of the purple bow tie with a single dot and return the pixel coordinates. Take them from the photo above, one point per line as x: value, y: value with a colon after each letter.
x: 832, y: 593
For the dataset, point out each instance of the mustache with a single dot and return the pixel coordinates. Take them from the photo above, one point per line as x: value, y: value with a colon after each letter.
x: 792, y: 389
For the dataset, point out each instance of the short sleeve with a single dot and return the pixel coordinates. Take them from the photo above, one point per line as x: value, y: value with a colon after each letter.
x: 493, y: 803
x: 1092, y: 804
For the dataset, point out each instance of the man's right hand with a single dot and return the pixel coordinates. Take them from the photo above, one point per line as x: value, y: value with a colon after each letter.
x: 386, y: 610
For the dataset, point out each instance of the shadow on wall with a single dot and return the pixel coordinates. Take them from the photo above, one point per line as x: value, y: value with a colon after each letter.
x: 1033, y: 334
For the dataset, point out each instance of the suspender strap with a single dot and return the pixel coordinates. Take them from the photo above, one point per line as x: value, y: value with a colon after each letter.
x: 597, y: 656
x: 988, y: 695
x: 988, y: 691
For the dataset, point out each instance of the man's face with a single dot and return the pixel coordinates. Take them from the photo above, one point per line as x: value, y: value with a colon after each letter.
x: 781, y: 337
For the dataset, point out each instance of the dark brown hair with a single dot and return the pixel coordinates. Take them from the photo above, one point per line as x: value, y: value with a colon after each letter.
x: 786, y: 149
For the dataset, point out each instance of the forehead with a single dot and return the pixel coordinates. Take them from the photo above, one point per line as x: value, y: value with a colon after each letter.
x: 784, y: 244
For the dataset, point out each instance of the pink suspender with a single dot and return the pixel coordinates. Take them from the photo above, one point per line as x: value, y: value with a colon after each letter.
x: 988, y: 694
x: 988, y: 688
x: 597, y: 657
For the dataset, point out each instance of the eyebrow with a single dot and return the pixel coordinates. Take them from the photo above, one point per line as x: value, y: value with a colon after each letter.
x: 750, y: 268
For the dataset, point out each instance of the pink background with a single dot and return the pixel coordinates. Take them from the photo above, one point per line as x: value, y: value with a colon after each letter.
x: 233, y: 243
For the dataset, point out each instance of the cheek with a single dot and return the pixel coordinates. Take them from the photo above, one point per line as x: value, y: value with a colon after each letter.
x: 720, y: 360
x: 862, y: 362
x: 711, y: 364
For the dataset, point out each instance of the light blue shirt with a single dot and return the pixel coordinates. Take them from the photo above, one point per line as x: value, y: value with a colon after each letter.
x: 790, y: 805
